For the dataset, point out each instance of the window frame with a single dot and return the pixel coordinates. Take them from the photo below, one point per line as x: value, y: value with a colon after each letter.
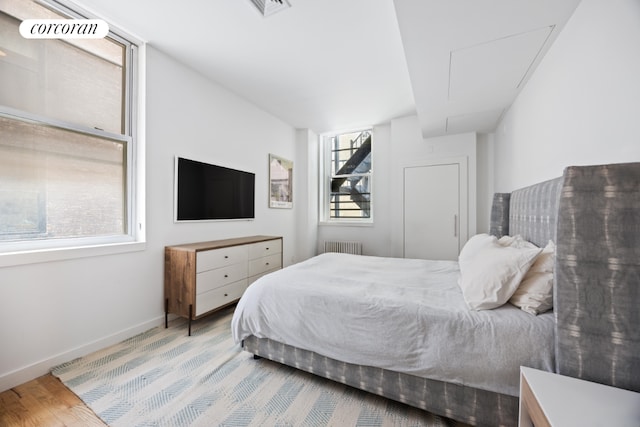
x: 326, y: 174
x: 133, y: 238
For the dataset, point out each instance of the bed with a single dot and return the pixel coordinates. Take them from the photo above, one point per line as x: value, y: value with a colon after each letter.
x: 403, y: 328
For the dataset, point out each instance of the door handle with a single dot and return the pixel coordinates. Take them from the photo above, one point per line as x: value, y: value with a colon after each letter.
x: 455, y: 225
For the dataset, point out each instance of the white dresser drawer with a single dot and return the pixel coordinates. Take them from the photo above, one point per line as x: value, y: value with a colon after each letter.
x: 220, y: 296
x: 208, y: 260
x: 202, y: 277
x: 264, y: 264
x: 217, y: 277
x: 262, y: 249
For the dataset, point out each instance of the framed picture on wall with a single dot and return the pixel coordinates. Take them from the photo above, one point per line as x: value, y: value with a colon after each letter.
x: 280, y: 182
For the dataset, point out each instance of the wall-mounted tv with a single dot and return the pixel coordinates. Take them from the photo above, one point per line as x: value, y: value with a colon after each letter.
x: 208, y: 192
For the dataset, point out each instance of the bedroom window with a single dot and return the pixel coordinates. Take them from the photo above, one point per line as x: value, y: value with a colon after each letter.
x: 67, y: 135
x: 348, y: 176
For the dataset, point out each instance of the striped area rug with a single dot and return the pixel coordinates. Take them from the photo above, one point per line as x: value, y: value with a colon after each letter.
x: 165, y: 378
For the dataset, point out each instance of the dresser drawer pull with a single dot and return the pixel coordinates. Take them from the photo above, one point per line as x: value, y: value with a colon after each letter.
x: 267, y: 264
x: 226, y: 295
x: 267, y: 248
x: 226, y: 256
x: 226, y: 275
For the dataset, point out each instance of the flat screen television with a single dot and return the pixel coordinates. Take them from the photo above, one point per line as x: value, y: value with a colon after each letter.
x: 208, y: 192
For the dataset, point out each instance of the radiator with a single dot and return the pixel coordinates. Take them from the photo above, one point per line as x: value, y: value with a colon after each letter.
x: 344, y: 247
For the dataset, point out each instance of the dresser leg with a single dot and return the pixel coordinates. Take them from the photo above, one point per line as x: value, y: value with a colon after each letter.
x: 166, y: 313
x: 190, y: 315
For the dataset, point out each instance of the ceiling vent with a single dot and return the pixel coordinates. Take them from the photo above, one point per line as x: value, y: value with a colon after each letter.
x: 269, y: 7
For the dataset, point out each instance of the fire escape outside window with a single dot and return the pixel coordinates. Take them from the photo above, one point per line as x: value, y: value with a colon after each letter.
x: 351, y: 176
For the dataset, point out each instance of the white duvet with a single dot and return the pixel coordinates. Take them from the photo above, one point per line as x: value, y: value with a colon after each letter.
x: 403, y: 315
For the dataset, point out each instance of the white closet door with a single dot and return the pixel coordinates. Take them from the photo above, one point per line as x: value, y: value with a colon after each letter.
x: 432, y: 211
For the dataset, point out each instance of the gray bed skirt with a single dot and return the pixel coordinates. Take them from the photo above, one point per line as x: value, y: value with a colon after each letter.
x: 466, y: 404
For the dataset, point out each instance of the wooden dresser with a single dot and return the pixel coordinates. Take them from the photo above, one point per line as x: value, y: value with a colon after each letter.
x: 200, y: 278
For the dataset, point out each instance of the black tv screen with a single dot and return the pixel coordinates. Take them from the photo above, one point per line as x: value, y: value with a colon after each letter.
x: 209, y: 192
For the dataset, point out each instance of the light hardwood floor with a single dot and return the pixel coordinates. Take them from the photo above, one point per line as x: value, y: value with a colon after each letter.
x: 45, y: 402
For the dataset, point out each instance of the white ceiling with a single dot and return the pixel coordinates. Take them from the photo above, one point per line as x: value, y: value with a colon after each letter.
x: 468, y: 59
x: 343, y: 64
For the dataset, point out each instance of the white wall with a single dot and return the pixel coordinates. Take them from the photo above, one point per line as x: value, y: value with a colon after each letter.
x: 55, y: 311
x: 215, y: 126
x: 484, y: 181
x: 305, y: 194
x: 582, y: 104
x: 394, y: 146
x: 375, y: 237
x: 409, y: 147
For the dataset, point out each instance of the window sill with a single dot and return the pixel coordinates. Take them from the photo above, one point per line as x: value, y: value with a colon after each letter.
x: 346, y: 223
x: 9, y: 259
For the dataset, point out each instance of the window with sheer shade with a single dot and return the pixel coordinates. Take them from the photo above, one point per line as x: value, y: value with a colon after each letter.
x: 66, y: 133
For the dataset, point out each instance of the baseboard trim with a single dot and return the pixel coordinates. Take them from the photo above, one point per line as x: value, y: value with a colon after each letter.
x: 29, y: 372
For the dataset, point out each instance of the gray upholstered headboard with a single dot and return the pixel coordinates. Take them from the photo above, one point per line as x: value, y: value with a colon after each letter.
x: 531, y: 212
x: 592, y: 213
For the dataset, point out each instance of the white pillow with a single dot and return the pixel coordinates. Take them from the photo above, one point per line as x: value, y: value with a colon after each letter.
x: 509, y: 240
x: 475, y: 244
x: 516, y: 241
x: 535, y: 293
x: 490, y: 273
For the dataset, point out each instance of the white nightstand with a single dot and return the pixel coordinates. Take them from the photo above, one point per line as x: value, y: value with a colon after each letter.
x: 548, y: 399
